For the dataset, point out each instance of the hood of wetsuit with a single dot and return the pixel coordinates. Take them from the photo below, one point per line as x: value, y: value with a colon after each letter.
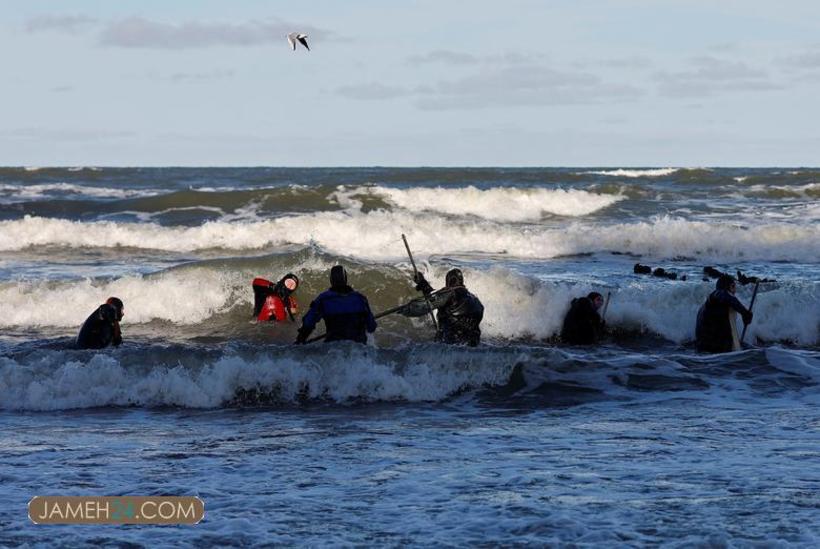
x: 290, y: 282
x: 454, y: 278
x: 118, y: 305
x: 724, y: 282
x: 338, y: 277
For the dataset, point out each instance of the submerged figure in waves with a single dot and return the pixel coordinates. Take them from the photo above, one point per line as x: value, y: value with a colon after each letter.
x: 583, y: 324
x: 345, y: 311
x: 102, y: 327
x: 459, y: 312
x: 275, y: 302
x: 715, y: 331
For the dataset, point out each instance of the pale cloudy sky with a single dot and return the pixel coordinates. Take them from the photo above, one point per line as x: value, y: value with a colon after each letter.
x: 438, y: 82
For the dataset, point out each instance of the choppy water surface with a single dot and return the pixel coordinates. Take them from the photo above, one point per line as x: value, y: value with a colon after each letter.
x: 641, y: 441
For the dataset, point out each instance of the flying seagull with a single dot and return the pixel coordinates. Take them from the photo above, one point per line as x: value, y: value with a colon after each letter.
x: 294, y: 36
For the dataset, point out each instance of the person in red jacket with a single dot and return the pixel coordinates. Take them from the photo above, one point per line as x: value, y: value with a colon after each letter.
x: 275, y: 302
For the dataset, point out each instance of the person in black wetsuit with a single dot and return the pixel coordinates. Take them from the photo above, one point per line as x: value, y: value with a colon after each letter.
x: 102, y: 327
x: 459, y: 312
x: 345, y: 311
x: 713, y: 332
x: 583, y: 325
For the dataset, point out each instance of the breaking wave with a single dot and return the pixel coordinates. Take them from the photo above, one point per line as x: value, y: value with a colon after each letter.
x: 374, y: 236
x: 196, y: 378
x: 213, y: 298
x: 175, y: 375
x: 498, y: 203
x: 649, y: 172
x: 11, y: 192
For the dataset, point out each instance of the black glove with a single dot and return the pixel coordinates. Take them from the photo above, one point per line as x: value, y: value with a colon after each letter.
x: 747, y: 317
x: 421, y: 284
x: 302, y: 336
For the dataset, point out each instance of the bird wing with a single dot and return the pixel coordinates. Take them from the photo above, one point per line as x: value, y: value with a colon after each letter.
x: 291, y: 41
x: 303, y: 39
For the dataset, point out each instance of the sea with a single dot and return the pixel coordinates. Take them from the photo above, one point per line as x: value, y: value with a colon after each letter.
x: 638, y: 441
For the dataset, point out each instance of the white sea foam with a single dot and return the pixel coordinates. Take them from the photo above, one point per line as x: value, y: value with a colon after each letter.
x: 650, y: 172
x: 176, y: 296
x: 44, y: 190
x: 83, y: 380
x: 518, y: 306
x: 808, y: 190
x: 523, y: 306
x: 374, y: 236
x: 498, y: 204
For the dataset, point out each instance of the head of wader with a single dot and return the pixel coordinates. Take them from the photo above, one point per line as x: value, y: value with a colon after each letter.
x: 454, y: 278
x: 118, y: 305
x: 596, y: 299
x: 338, y: 277
x: 725, y: 282
x: 290, y: 282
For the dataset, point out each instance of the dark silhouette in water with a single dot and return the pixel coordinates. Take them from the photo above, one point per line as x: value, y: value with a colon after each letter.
x: 714, y: 329
x: 711, y: 272
x: 459, y: 311
x: 102, y: 327
x: 659, y: 272
x: 582, y: 324
x: 345, y: 311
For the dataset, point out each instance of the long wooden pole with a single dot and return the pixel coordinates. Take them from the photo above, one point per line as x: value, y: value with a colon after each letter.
x: 415, y: 275
x: 606, y: 306
x: 751, y: 306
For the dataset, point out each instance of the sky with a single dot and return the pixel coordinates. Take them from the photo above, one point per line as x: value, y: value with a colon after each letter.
x: 694, y: 83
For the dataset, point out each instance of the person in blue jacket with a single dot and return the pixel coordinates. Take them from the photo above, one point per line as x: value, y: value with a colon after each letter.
x: 713, y: 332
x: 345, y: 311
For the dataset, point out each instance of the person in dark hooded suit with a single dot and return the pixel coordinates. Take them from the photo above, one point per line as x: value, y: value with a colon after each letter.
x: 583, y: 324
x: 102, y: 327
x: 459, y: 312
x: 714, y: 330
x: 346, y: 312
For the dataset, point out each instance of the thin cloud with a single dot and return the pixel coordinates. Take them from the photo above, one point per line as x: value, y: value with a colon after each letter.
x: 455, y: 58
x: 630, y: 62
x: 713, y: 68
x: 444, y: 57
x: 501, y: 87
x: 71, y: 24
x: 712, y: 75
x: 807, y: 60
x: 138, y: 32
x: 373, y: 91
x: 218, y: 74
x: 66, y: 134
x: 524, y: 86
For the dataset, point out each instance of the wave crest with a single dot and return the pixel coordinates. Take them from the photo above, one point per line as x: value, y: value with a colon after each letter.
x: 214, y: 299
x: 168, y: 377
x: 633, y: 173
x: 497, y: 203
x: 374, y: 235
